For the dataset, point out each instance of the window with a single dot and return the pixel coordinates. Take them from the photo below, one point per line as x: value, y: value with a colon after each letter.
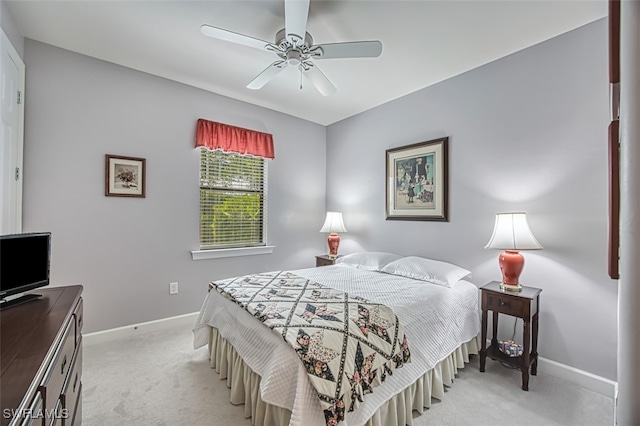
x: 232, y: 200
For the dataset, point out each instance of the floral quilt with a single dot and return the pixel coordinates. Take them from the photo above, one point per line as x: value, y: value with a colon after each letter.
x: 347, y: 344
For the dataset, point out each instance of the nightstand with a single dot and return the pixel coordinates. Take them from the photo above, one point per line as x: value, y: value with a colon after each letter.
x: 325, y: 260
x: 524, y: 304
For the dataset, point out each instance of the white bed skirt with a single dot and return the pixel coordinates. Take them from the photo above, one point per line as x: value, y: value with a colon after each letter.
x: 245, y: 386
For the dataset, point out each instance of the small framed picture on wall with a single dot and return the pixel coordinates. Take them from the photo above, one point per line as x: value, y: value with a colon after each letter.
x: 124, y: 176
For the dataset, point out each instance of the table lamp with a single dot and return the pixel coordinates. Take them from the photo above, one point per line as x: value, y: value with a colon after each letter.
x: 511, y: 233
x: 333, y: 224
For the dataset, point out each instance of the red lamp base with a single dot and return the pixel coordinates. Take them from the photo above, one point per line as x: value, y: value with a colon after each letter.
x: 334, y: 242
x: 511, y: 264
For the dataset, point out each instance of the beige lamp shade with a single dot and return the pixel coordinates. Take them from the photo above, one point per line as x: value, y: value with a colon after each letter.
x: 333, y: 223
x: 511, y: 232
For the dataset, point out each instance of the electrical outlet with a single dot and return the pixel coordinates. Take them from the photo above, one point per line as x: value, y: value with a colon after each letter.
x: 173, y: 288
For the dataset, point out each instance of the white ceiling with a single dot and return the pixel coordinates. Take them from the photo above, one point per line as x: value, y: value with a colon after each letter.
x: 424, y: 42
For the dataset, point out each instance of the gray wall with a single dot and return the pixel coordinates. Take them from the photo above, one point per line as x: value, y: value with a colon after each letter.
x: 527, y: 133
x: 125, y: 251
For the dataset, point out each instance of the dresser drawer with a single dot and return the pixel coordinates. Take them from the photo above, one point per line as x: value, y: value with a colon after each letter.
x: 77, y: 416
x: 33, y: 416
x: 77, y: 317
x: 55, y: 418
x: 71, y: 388
x: 54, y: 378
x: 506, y: 305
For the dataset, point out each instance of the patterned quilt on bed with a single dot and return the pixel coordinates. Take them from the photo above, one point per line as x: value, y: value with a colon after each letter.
x: 347, y: 344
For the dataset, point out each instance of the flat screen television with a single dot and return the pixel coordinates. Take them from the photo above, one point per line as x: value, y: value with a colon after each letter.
x: 24, y: 265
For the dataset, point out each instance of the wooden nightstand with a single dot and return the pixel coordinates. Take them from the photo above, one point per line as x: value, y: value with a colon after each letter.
x: 524, y: 304
x: 325, y: 260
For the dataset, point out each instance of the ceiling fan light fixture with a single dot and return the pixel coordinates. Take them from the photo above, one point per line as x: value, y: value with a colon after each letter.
x: 294, y: 57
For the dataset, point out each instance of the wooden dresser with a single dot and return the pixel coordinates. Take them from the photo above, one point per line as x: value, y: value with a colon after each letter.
x: 41, y: 359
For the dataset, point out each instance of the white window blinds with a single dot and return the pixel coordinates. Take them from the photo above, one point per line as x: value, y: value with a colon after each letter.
x: 232, y: 200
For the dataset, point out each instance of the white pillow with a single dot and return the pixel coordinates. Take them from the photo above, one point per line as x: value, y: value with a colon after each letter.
x: 433, y: 271
x: 369, y: 260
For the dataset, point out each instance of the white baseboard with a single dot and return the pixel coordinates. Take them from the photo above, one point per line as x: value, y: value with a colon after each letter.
x: 186, y: 320
x: 578, y: 377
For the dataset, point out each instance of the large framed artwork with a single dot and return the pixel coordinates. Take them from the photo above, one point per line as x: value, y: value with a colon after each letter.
x: 124, y: 176
x: 417, y: 181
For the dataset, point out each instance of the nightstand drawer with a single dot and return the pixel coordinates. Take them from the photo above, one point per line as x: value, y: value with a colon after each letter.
x: 325, y: 260
x: 506, y: 305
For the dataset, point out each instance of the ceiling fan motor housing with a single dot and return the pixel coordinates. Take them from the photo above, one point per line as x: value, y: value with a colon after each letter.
x: 295, y: 53
x: 281, y: 40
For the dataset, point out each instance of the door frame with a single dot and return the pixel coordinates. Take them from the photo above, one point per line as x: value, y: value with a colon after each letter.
x: 6, y: 48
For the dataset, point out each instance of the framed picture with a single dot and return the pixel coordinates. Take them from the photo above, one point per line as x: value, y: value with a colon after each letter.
x: 124, y: 176
x: 417, y: 181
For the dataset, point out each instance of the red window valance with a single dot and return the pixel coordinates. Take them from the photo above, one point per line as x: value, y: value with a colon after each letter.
x: 227, y: 138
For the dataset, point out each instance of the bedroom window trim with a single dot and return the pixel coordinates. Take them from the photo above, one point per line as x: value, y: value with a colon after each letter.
x: 232, y: 252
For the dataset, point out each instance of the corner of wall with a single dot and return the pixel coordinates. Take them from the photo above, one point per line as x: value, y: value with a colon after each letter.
x: 10, y: 29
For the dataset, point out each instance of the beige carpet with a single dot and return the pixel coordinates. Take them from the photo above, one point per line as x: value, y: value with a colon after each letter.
x: 159, y: 379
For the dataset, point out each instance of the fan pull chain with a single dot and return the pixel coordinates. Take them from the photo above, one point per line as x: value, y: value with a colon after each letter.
x: 300, y: 78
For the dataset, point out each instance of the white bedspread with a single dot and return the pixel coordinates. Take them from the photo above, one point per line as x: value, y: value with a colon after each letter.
x: 436, y: 319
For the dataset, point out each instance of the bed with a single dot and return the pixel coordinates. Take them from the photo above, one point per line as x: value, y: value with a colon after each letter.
x: 434, y: 302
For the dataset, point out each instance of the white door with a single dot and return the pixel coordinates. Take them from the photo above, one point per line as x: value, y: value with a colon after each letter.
x: 12, y: 107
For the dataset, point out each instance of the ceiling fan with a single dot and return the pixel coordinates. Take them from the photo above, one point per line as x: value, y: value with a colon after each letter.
x: 294, y: 46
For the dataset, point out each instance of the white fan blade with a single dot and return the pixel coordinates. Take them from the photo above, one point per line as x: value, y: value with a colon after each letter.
x: 227, y: 35
x: 265, y: 76
x: 354, y: 49
x: 296, y: 13
x: 319, y: 81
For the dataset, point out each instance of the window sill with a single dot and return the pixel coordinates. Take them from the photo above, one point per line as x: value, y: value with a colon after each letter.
x: 234, y: 252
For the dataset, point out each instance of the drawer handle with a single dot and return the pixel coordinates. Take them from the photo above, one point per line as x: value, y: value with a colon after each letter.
x: 503, y: 303
x: 64, y: 364
x: 75, y: 382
